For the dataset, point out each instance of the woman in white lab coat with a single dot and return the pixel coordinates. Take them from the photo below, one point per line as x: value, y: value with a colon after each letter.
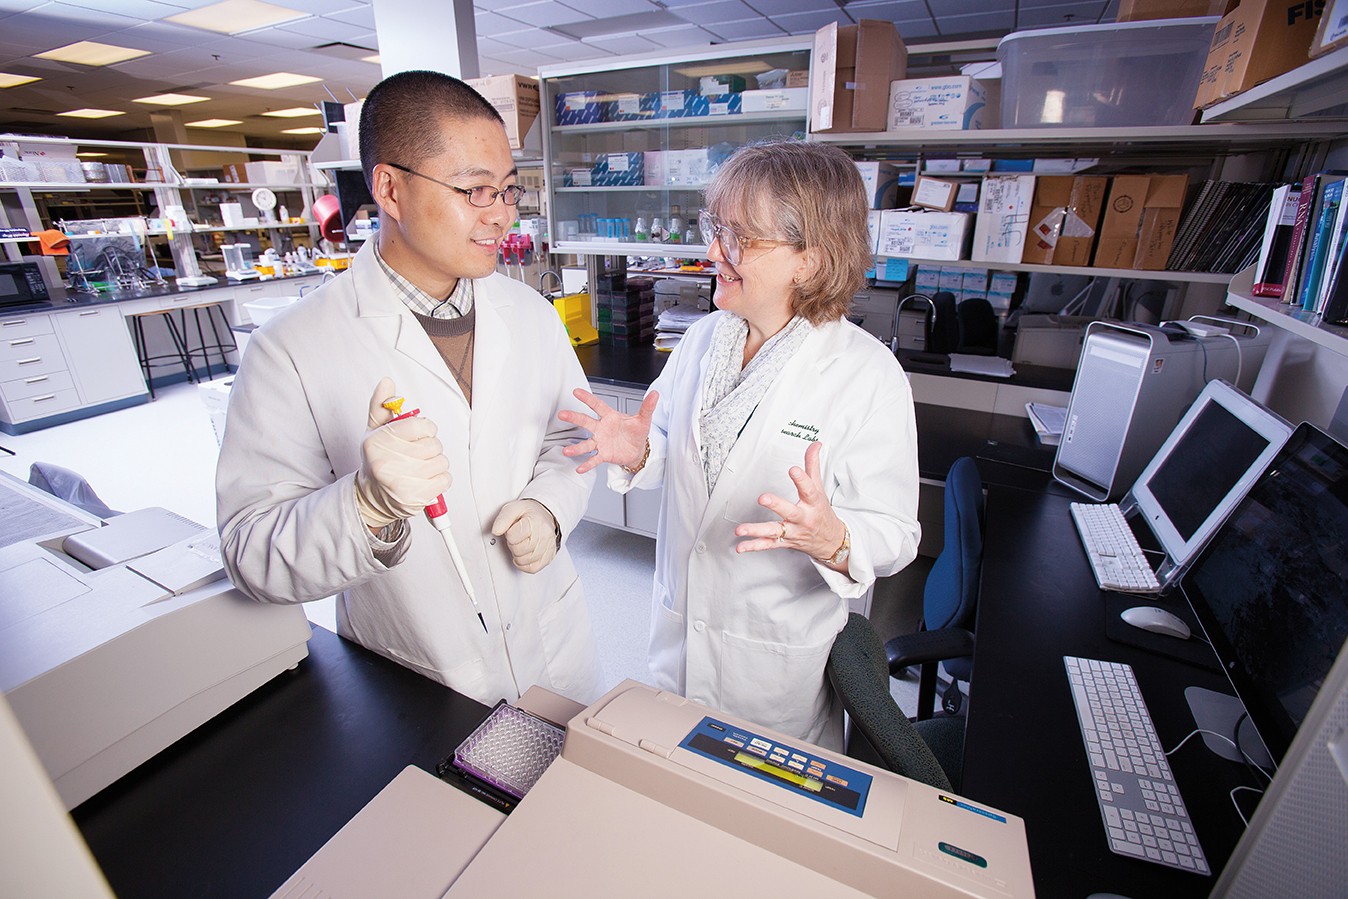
x: 784, y: 440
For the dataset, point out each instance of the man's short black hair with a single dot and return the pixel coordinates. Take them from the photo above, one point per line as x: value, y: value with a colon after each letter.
x: 402, y: 114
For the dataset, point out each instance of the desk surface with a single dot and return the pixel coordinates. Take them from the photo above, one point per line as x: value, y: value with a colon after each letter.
x: 234, y: 808
x: 1023, y: 749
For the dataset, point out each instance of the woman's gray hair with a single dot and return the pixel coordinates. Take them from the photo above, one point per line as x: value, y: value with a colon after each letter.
x: 811, y: 195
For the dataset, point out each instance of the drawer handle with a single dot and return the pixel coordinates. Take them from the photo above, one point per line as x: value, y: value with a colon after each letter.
x: 25, y: 342
x: 30, y: 361
x: 90, y: 312
x: 38, y: 380
x: 43, y: 399
x: 13, y: 323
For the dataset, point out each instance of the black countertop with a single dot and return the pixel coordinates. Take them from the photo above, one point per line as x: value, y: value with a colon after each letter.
x: 80, y: 300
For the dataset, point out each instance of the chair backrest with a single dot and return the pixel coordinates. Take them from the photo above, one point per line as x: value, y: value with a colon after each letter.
x: 859, y: 672
x: 951, y: 594
x: 978, y: 326
x: 944, y: 333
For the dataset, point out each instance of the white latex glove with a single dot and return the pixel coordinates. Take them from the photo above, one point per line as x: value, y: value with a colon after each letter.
x: 402, y: 464
x: 530, y: 532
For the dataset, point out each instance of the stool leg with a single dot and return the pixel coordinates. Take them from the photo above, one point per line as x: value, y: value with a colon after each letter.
x: 201, y: 341
x: 180, y: 342
x: 219, y: 344
x: 142, y: 354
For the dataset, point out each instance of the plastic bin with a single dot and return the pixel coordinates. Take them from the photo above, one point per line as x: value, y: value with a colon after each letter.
x: 261, y: 310
x: 1122, y: 74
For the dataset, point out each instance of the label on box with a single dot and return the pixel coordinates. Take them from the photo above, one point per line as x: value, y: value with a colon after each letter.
x: 629, y: 104
x: 581, y: 178
x: 617, y: 162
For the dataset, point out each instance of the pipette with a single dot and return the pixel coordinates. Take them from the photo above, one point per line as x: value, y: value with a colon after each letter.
x: 438, y: 515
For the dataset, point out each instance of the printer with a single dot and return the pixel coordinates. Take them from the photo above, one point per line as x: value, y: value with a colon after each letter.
x: 118, y: 637
x: 656, y: 795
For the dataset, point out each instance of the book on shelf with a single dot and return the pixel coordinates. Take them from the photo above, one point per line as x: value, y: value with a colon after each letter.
x: 1320, y: 234
x: 1272, y: 263
x: 1222, y: 230
x: 1334, y: 256
x: 1312, y: 189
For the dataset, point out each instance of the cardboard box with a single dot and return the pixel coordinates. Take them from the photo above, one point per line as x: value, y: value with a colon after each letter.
x: 1256, y: 41
x: 1141, y: 216
x: 271, y: 171
x: 234, y: 173
x: 516, y: 98
x: 579, y: 108
x: 798, y: 78
x: 955, y: 103
x: 618, y: 170
x: 935, y: 193
x: 1141, y: 10
x: 626, y: 108
x: 852, y: 68
x: 921, y: 234
x: 873, y: 220
x: 928, y: 279
x: 1003, y: 218
x: 775, y: 100
x: 1064, y: 219
x: 653, y: 163
x: 1333, y: 30
x: 687, y: 168
x: 950, y: 280
x: 876, y: 178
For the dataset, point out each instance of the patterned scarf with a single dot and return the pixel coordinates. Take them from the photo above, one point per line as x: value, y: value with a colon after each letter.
x: 731, y: 393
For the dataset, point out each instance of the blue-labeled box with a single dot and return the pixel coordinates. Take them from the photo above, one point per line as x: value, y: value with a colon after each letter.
x: 618, y: 170
x: 726, y: 104
x: 627, y: 108
x: 579, y: 108
x: 669, y: 104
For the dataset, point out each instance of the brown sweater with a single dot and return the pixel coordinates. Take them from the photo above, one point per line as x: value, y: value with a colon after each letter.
x: 453, y: 337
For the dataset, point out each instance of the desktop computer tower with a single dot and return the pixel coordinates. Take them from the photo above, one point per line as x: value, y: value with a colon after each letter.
x: 1133, y: 383
x: 1297, y: 841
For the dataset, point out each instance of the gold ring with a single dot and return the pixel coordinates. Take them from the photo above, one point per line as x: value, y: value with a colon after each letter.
x: 782, y: 535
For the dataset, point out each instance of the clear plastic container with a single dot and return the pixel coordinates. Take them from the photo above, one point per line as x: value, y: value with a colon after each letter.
x: 1121, y: 74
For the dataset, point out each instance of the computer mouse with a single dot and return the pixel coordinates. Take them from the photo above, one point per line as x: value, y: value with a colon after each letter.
x: 1158, y: 621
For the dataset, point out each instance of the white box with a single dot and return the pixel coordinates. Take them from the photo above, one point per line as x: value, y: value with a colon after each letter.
x: 928, y: 279
x: 782, y: 98
x: 950, y: 280
x: 687, y: 168
x: 942, y: 166
x: 261, y: 310
x: 874, y: 176
x: 1003, y: 218
x: 979, y: 166
x: 873, y: 221
x: 272, y: 171
x: 232, y: 214
x: 954, y: 103
x: 919, y: 234
x: 653, y: 168
x: 215, y: 397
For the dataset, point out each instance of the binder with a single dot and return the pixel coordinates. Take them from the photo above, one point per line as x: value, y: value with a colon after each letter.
x: 1272, y: 264
x: 1297, y: 254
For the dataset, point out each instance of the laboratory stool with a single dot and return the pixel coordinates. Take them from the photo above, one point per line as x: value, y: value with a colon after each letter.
x: 148, y: 362
x: 218, y: 345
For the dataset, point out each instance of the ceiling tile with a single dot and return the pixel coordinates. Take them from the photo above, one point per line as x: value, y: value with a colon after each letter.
x: 361, y: 15
x: 491, y: 24
x: 40, y: 33
x: 275, y: 37
x: 621, y: 46
x: 323, y: 29
x: 810, y: 22
x: 319, y: 7
x: 1060, y: 15
x: 107, y: 20
x: 600, y: 9
x: 536, y: 39
x: 714, y: 13
x: 141, y: 9
x: 774, y: 8
x: 9, y: 6
x: 999, y: 22
x: 162, y: 36
x: 546, y: 13
x: 746, y: 30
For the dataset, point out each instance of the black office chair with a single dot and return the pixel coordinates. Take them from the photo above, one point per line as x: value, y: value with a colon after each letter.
x: 929, y: 751
x: 950, y: 598
x: 978, y: 327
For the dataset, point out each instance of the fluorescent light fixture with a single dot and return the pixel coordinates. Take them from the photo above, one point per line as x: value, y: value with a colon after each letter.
x: 171, y: 99
x: 92, y: 53
x: 213, y: 123
x: 236, y: 16
x: 89, y: 154
x: 275, y: 81
x: 91, y: 113
x: 304, y: 131
x: 8, y: 80
x: 628, y: 24
x: 747, y: 67
x: 293, y: 112
x: 374, y: 59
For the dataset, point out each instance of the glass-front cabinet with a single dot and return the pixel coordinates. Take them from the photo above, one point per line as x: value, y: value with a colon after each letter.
x: 632, y: 142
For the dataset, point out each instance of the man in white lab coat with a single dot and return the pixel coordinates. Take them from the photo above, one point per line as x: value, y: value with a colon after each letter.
x: 321, y: 493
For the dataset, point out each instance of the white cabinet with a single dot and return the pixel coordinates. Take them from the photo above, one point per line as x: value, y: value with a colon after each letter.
x: 98, y: 347
x: 638, y: 510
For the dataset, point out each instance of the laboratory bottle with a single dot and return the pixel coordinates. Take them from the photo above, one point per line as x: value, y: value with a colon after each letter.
x: 675, y: 224
x: 642, y: 230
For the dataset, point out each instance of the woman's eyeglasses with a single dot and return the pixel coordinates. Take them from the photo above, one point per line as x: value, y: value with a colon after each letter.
x: 732, y: 245
x: 481, y: 197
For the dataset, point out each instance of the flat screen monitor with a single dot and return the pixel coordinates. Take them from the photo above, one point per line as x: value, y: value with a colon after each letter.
x: 1210, y: 460
x: 1271, y: 589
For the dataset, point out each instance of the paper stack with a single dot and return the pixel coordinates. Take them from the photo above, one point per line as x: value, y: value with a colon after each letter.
x: 1048, y: 421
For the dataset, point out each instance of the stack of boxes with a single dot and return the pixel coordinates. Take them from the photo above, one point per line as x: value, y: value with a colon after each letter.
x: 625, y: 308
x: 997, y: 288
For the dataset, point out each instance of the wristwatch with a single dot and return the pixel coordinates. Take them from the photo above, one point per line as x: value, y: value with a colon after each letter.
x: 843, y: 551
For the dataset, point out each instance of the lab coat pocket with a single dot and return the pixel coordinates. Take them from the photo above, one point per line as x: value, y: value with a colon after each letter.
x: 569, y: 650
x: 776, y: 684
x: 666, y: 650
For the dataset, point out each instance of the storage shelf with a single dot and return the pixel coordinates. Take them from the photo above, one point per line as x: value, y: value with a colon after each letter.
x: 627, y: 248
x: 1292, y: 318
x: 1087, y: 142
x: 698, y: 121
x: 629, y: 188
x: 1317, y: 87
x: 1090, y: 271
x: 18, y: 240
x: 86, y: 185
x: 196, y: 229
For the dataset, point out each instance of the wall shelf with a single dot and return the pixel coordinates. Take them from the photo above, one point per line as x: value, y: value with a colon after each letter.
x: 1089, y: 271
x: 1289, y: 317
x: 1320, y: 87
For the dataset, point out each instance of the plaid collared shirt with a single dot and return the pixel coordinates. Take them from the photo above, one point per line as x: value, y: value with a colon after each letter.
x: 459, y: 303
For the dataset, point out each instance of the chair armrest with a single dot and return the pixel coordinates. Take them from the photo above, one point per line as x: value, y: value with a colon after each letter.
x: 928, y: 646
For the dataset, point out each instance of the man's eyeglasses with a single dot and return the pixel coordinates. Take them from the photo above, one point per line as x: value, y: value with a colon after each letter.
x: 481, y: 197
x: 732, y: 245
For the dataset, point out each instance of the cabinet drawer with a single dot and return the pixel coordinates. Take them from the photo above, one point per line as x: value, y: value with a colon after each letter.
x: 44, y: 404
x: 36, y: 385
x: 24, y: 326
x: 28, y: 356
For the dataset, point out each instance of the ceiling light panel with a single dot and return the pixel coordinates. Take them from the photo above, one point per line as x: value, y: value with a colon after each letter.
x: 275, y: 81
x: 236, y: 16
x: 171, y: 99
x: 91, y: 113
x: 92, y: 53
x: 214, y: 123
x: 303, y: 131
x: 294, y: 112
x: 8, y: 80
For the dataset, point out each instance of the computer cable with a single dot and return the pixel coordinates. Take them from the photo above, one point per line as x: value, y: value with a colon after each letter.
x: 1226, y: 739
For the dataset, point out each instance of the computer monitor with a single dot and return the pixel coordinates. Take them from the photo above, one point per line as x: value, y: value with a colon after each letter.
x: 1210, y: 460
x: 1271, y: 589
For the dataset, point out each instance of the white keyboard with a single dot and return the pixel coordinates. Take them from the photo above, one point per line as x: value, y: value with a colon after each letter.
x: 1115, y: 557
x: 1144, y: 816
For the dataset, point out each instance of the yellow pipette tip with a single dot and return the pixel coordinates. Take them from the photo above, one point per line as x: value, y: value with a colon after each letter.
x: 394, y: 405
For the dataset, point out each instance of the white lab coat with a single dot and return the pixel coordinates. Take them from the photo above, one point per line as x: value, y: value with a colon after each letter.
x: 751, y: 633
x: 288, y: 523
